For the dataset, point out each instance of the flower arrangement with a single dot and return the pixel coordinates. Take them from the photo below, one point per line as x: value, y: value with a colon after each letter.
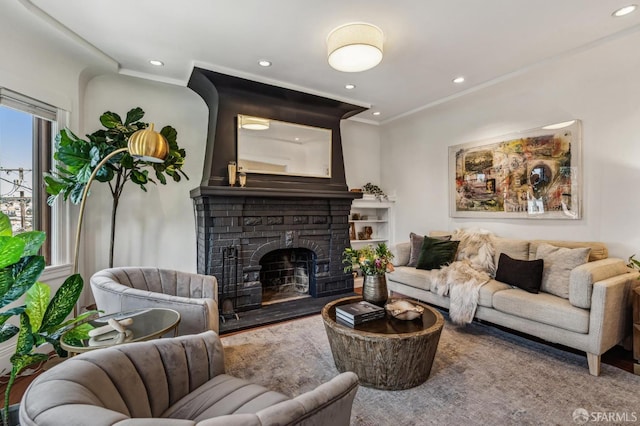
x: 370, y: 260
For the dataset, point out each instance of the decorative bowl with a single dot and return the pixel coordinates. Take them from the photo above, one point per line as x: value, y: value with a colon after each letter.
x: 404, y: 310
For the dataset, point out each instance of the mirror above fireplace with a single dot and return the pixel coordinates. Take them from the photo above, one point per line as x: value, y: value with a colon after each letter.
x: 280, y: 148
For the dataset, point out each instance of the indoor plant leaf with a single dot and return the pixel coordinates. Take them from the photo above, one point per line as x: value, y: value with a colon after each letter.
x: 8, y: 331
x: 5, y: 226
x: 11, y: 250
x: 33, y: 240
x: 24, y: 274
x: 110, y: 120
x: 37, y: 299
x: 62, y: 303
x: 133, y: 115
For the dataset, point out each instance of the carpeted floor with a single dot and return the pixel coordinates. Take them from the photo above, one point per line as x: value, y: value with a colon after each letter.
x: 481, y: 376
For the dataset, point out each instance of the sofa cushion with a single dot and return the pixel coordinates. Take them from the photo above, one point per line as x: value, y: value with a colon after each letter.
x: 415, y: 246
x: 515, y: 249
x: 223, y: 395
x: 525, y: 274
x: 485, y: 296
x: 412, y: 277
x: 558, y: 264
x: 436, y: 253
x: 598, y: 250
x: 542, y: 307
x: 400, y: 253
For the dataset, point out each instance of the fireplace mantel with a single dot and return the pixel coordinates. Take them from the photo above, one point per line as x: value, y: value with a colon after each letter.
x: 234, y: 191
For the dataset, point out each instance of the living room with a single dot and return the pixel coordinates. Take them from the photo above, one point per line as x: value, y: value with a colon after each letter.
x: 405, y: 154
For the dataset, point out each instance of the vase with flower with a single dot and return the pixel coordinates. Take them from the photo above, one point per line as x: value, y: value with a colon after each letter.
x: 373, y: 263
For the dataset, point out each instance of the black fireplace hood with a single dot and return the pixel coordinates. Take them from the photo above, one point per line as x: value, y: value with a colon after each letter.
x: 227, y: 96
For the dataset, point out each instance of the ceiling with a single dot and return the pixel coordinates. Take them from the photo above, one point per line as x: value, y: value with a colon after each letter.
x: 427, y: 42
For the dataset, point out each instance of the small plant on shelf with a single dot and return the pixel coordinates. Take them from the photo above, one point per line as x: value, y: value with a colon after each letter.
x: 375, y: 190
x: 370, y: 260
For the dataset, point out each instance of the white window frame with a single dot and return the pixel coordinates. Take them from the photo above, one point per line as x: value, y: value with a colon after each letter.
x: 60, y: 266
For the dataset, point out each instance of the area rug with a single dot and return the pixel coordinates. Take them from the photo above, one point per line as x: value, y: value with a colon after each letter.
x: 481, y: 376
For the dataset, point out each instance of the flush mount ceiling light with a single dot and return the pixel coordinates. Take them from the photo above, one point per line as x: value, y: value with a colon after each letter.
x: 349, y: 86
x: 458, y: 80
x: 376, y: 113
x: 264, y: 63
x: 559, y: 125
x: 253, y: 123
x: 624, y: 11
x: 354, y: 47
x: 156, y: 63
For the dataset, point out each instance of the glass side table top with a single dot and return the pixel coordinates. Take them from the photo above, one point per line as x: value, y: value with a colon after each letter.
x: 147, y: 324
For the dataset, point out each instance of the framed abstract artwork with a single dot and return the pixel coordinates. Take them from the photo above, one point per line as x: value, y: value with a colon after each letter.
x: 530, y: 174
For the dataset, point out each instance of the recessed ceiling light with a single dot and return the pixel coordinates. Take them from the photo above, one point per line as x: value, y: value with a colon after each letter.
x: 349, y: 86
x: 264, y: 63
x: 458, y: 80
x: 559, y: 125
x: 376, y: 113
x: 156, y: 63
x: 624, y: 11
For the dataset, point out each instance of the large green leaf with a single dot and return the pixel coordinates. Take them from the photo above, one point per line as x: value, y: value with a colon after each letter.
x: 134, y: 115
x: 8, y: 331
x: 22, y: 361
x: 33, y: 240
x: 5, y: 226
x: 75, y: 155
x: 4, y: 316
x: 25, y: 341
x: 62, y: 303
x: 11, y: 250
x: 76, y: 193
x: 37, y: 300
x: 23, y: 275
x: 77, y: 334
x: 110, y: 120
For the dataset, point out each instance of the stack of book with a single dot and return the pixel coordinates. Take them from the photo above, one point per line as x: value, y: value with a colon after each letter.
x: 358, y: 312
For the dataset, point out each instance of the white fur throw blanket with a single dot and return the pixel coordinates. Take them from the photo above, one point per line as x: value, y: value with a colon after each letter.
x: 462, y: 283
x: 462, y: 279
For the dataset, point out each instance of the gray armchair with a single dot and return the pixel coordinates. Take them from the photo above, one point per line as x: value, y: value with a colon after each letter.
x: 194, y: 296
x: 176, y: 381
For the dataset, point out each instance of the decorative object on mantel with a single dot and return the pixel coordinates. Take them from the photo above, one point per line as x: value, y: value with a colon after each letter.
x: 242, y: 177
x: 117, y: 154
x: 373, y: 262
x: 375, y: 191
x: 404, y: 310
x: 231, y: 169
x: 355, y: 47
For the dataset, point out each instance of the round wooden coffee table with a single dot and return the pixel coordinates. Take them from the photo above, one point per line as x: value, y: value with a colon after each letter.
x: 386, y: 353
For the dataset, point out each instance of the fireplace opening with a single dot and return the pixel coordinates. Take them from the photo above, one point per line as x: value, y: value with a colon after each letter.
x: 286, y: 274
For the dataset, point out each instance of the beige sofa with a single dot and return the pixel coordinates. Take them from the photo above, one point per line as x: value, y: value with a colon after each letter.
x: 594, y: 318
x: 176, y: 381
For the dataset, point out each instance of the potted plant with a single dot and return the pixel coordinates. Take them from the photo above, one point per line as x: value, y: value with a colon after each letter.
x: 78, y: 157
x: 374, y: 263
x: 374, y: 190
x: 41, y: 320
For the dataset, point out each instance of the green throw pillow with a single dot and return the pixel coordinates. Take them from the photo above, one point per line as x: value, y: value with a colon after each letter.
x: 436, y: 253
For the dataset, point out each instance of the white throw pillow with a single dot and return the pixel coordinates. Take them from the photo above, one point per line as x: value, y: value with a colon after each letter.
x: 558, y: 264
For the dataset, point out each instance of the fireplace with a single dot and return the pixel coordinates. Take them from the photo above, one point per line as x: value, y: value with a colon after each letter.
x: 275, y: 219
x: 287, y: 274
x: 266, y: 231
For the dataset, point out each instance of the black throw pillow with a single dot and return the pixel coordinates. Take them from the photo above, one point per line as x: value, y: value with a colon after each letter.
x: 524, y: 274
x: 436, y: 253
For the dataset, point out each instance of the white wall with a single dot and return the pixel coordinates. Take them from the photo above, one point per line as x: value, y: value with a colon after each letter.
x: 598, y: 86
x: 361, y: 151
x: 154, y: 228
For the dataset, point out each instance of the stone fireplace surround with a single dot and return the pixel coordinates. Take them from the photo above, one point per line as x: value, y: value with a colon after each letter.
x: 274, y: 211
x: 256, y: 224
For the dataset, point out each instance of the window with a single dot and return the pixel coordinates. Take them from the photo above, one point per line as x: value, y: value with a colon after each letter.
x: 27, y: 127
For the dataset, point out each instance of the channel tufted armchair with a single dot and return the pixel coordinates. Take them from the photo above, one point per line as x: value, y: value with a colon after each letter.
x: 194, y: 296
x: 174, y: 381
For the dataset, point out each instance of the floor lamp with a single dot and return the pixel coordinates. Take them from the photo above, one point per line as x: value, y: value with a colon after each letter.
x: 146, y: 145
